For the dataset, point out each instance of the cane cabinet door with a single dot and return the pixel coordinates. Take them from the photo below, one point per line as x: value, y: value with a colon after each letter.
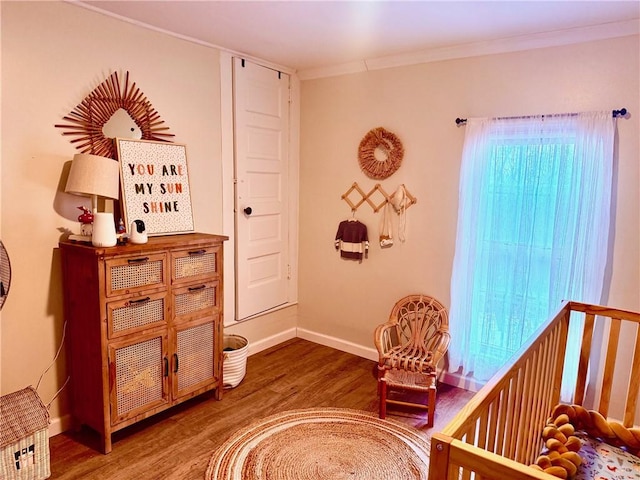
x: 194, y: 363
x: 138, y: 375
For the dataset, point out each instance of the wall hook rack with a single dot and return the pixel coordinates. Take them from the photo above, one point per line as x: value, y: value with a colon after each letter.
x: 368, y: 197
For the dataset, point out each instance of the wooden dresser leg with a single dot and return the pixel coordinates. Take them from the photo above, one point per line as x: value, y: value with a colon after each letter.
x: 106, y: 443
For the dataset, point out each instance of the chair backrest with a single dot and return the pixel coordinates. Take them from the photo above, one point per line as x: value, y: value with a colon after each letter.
x: 422, y: 321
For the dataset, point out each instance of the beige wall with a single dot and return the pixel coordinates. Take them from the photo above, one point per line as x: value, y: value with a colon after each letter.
x: 419, y: 103
x: 53, y: 55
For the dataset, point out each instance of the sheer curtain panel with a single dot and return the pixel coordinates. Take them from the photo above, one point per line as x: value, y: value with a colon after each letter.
x: 533, y: 230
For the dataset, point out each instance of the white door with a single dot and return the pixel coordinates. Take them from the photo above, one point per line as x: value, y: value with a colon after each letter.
x: 261, y: 122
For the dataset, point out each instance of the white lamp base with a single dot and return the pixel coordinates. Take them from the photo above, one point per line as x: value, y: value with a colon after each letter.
x: 104, y: 230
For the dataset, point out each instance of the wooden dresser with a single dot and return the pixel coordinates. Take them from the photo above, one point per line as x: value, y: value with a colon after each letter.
x: 144, y: 327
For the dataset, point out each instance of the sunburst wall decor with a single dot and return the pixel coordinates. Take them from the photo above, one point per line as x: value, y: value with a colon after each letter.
x: 107, y: 102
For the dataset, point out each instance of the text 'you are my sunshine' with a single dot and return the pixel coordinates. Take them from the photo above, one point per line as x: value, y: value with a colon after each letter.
x: 163, y: 188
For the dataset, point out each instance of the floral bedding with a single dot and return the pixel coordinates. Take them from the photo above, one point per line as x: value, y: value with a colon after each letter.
x: 601, y: 461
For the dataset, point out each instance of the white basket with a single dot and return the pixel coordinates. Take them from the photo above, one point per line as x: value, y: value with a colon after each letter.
x: 234, y: 366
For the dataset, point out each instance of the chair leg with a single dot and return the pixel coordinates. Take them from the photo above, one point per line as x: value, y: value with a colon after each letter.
x: 432, y: 406
x: 382, y: 387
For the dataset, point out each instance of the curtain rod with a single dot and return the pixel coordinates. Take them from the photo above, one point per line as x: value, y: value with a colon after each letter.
x: 616, y: 113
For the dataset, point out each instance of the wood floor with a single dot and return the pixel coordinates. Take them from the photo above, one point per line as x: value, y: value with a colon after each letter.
x: 177, y: 444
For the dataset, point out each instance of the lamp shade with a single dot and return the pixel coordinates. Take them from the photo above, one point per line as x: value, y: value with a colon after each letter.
x: 93, y: 175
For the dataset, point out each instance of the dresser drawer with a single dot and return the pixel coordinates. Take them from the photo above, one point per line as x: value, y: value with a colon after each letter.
x: 135, y: 314
x: 195, y: 300
x: 195, y: 264
x: 134, y: 274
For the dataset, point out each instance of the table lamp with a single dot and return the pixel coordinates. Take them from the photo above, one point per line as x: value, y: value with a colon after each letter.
x: 94, y: 176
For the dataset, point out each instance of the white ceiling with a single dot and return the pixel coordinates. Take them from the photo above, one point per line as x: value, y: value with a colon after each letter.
x: 317, y: 36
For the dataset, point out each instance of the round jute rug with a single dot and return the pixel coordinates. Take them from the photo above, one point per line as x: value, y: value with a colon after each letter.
x: 322, y: 443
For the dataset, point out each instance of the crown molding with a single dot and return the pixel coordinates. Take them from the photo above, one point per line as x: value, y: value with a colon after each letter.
x: 491, y: 47
x: 260, y: 61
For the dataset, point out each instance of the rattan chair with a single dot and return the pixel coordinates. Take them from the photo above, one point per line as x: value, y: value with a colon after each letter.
x: 410, y: 345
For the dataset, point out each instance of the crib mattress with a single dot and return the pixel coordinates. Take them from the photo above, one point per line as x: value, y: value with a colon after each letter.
x: 601, y: 461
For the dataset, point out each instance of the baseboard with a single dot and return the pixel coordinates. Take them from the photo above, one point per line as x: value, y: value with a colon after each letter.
x: 453, y: 379
x: 272, y: 341
x: 338, y: 344
x: 461, y: 381
x: 59, y: 425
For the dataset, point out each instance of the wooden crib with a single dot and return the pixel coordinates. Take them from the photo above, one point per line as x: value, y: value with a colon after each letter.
x: 498, y: 433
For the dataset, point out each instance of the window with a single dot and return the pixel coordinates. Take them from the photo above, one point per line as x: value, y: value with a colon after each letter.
x: 533, y: 227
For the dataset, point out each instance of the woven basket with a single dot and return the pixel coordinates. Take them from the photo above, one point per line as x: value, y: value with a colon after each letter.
x: 234, y: 366
x: 24, y: 436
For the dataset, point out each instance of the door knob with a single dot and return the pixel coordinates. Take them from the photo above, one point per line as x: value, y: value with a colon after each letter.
x: 248, y: 210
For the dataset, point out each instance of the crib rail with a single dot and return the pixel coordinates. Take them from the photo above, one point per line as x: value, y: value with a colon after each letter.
x: 498, y: 432
x: 618, y: 320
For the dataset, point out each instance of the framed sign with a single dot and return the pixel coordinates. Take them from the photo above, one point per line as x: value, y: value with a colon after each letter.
x: 155, y: 185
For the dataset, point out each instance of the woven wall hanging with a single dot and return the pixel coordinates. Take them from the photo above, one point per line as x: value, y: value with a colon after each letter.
x: 389, y: 152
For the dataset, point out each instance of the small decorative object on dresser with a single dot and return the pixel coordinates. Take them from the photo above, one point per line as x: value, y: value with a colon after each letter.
x: 86, y: 222
x: 144, y: 327
x: 138, y: 232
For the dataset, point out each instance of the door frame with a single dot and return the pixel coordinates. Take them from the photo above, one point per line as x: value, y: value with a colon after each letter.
x: 228, y: 183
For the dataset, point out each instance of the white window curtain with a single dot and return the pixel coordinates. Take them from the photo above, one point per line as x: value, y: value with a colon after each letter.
x: 533, y: 230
